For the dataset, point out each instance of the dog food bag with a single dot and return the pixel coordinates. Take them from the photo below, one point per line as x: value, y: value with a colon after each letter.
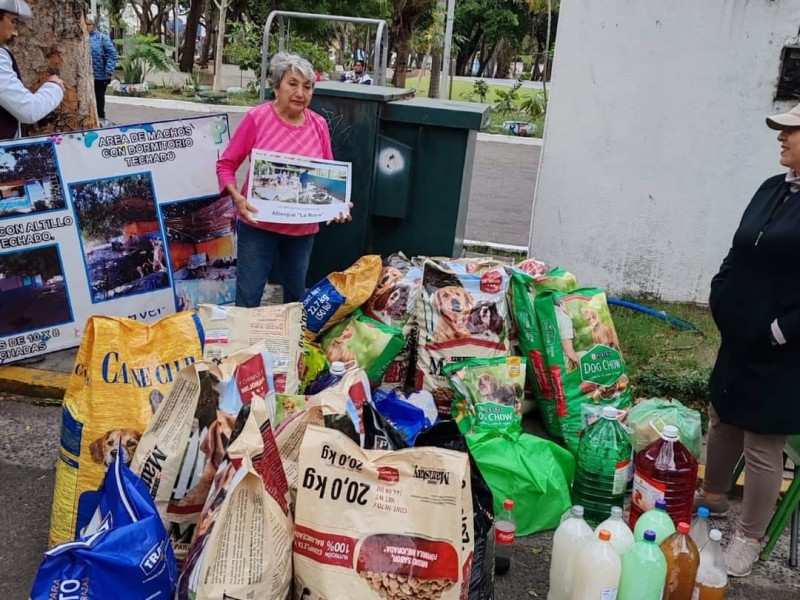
x: 409, y: 420
x: 243, y: 544
x: 366, y: 342
x: 488, y: 393
x: 314, y: 365
x: 462, y: 312
x: 379, y: 434
x: 281, y: 328
x: 339, y: 294
x: 376, y: 524
x: 394, y: 304
x: 122, y: 368
x: 188, y: 437
x: 583, y: 356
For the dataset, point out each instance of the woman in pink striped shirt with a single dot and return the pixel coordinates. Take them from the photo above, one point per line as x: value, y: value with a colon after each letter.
x: 284, y: 125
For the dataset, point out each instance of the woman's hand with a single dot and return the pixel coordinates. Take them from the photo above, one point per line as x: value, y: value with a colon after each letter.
x: 343, y: 218
x: 242, y: 205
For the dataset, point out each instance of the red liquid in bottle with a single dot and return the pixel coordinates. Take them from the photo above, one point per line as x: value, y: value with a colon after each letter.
x: 665, y: 469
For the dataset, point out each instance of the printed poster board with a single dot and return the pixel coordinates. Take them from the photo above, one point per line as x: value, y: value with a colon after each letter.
x: 123, y: 221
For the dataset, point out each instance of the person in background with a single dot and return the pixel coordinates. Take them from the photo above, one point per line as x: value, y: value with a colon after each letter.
x: 288, y: 126
x: 19, y: 106
x: 755, y: 302
x: 357, y: 75
x: 104, y: 61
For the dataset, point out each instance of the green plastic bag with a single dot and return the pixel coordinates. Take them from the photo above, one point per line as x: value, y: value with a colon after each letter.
x: 533, y: 472
x: 364, y: 341
x: 648, y: 419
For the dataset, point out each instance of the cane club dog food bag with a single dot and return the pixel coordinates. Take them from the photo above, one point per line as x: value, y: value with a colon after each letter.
x: 462, y: 313
x: 376, y: 524
x: 394, y: 304
x: 489, y: 393
x: 583, y: 356
x: 280, y: 328
x: 122, y: 371
x: 339, y: 294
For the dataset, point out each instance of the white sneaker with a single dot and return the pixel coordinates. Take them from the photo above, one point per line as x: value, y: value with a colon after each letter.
x: 740, y: 555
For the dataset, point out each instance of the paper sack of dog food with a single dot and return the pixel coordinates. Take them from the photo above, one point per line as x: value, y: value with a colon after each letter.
x: 377, y: 524
x: 488, y: 392
x: 122, y: 369
x: 462, y: 313
x: 584, y: 360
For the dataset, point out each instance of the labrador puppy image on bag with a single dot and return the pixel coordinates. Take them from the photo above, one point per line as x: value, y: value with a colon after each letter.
x: 601, y: 333
x: 454, y: 305
x: 105, y: 448
x: 339, y: 350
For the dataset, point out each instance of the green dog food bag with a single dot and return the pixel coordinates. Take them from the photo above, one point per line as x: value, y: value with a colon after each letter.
x: 363, y: 341
x: 488, y: 393
x: 582, y: 354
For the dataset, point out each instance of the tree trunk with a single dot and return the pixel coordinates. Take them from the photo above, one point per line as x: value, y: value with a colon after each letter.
x: 401, y: 63
x: 196, y: 10
x: 57, y: 42
x: 210, y: 12
x: 434, y: 90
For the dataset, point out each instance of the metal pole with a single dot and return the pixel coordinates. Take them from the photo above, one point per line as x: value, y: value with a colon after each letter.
x: 448, y: 43
x: 220, y: 43
x: 175, y: 30
x: 793, y: 536
x: 93, y: 9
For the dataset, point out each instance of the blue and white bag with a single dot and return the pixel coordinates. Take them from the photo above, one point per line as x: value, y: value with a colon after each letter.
x: 124, y: 553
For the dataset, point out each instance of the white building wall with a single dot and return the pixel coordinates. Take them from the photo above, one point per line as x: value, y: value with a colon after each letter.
x: 655, y: 138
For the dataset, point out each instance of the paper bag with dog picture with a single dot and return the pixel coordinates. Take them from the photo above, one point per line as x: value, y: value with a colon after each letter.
x: 188, y: 436
x: 462, y: 313
x: 122, y: 369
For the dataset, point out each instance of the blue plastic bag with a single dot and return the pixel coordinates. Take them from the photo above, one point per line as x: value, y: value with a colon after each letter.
x: 408, y: 419
x: 124, y: 554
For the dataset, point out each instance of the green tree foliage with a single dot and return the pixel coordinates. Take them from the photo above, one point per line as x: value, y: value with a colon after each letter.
x: 30, y: 161
x: 142, y: 54
x: 29, y: 263
x: 104, y: 206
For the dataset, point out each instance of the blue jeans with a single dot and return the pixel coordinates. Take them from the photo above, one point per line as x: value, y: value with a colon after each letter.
x: 257, y: 252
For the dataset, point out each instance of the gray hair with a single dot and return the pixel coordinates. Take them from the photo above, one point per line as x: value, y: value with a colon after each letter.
x: 283, y: 62
x: 90, y: 20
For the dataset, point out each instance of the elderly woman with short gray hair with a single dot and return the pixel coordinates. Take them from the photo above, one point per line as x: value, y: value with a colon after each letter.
x: 285, y: 125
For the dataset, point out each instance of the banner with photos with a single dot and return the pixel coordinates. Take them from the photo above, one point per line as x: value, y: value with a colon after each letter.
x: 123, y: 221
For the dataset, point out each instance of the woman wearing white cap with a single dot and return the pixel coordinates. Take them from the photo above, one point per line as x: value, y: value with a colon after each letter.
x: 755, y: 301
x: 18, y: 106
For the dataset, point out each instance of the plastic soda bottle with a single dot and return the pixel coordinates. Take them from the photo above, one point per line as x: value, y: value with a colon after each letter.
x: 505, y: 530
x: 699, y: 530
x: 683, y: 560
x: 597, y: 570
x: 657, y: 520
x: 665, y: 470
x: 712, y: 576
x: 570, y: 538
x: 621, y: 534
x: 602, y: 464
x: 644, y: 570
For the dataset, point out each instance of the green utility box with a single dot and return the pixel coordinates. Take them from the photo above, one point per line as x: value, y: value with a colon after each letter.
x: 412, y: 168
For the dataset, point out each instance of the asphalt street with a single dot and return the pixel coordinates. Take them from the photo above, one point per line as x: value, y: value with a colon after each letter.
x: 501, y: 193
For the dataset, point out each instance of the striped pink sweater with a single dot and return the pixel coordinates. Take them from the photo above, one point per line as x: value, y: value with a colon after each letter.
x: 263, y: 129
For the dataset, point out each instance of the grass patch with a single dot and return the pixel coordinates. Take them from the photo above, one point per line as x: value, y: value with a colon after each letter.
x: 665, y: 361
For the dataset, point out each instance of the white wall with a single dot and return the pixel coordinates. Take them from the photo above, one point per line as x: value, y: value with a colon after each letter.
x: 655, y: 138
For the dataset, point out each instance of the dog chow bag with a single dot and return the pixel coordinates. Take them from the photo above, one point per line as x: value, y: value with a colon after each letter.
x: 381, y: 524
x: 122, y: 369
x: 583, y: 356
x: 462, y: 313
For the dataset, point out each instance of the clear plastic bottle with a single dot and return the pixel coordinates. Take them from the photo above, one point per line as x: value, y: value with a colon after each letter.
x: 657, y: 520
x: 683, y: 560
x: 712, y: 576
x: 597, y: 571
x: 644, y: 570
x: 665, y: 470
x: 601, y: 466
x: 621, y: 534
x: 699, y: 530
x: 570, y: 538
x: 505, y: 530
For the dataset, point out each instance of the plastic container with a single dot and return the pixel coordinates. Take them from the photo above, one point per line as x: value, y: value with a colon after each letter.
x: 683, y: 559
x: 712, y: 576
x: 621, y: 534
x: 570, y: 538
x: 699, y: 530
x: 644, y: 571
x: 665, y: 470
x: 505, y: 530
x: 326, y: 380
x: 597, y: 571
x: 657, y: 520
x: 602, y: 466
